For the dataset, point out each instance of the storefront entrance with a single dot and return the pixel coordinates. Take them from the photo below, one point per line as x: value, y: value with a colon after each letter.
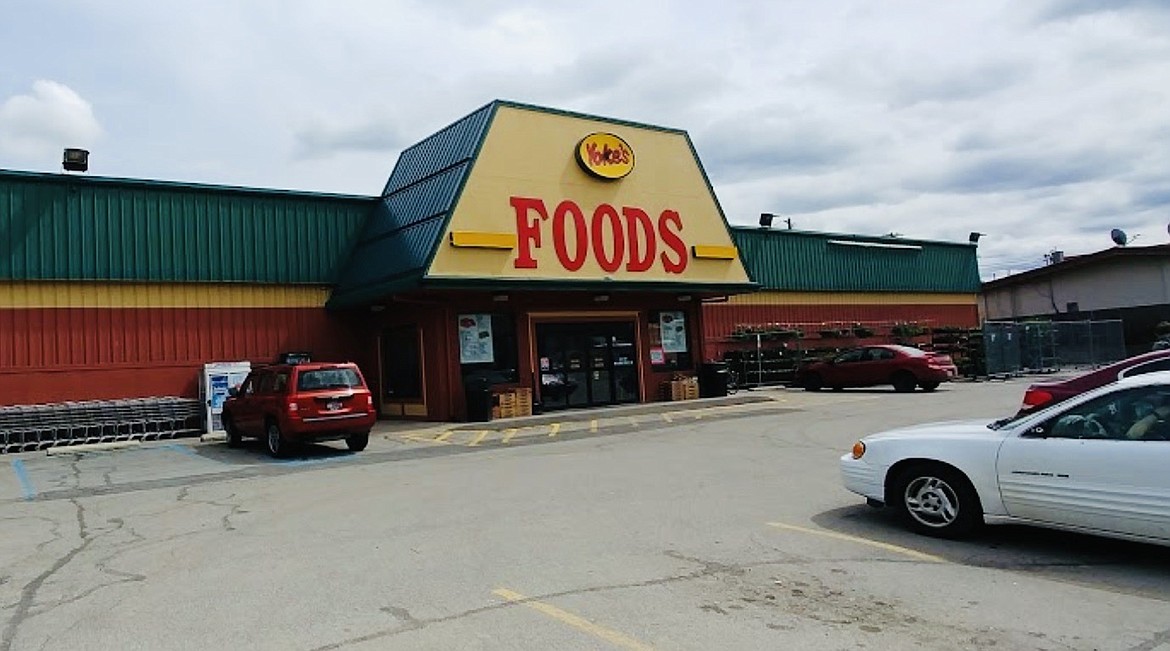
x: 586, y: 364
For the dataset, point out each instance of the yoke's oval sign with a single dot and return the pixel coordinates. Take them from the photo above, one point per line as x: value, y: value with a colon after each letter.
x: 605, y: 156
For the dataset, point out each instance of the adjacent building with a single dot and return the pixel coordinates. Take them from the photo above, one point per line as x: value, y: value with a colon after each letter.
x: 1129, y: 283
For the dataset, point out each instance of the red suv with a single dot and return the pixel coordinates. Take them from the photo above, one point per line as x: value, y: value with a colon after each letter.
x: 902, y: 366
x: 287, y: 404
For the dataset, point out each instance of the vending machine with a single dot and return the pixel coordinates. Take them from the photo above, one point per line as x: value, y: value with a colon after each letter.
x: 218, y: 378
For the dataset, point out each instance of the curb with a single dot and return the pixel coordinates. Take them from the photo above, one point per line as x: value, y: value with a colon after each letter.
x: 212, y: 437
x: 91, y: 447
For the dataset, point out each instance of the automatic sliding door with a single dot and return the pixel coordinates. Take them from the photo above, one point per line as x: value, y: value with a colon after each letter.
x: 586, y: 364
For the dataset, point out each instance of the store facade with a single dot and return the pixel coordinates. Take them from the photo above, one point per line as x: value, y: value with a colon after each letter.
x: 536, y: 250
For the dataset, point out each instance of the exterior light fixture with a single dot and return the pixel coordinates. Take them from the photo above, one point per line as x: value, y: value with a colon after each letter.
x: 500, y: 297
x: 601, y: 298
x: 683, y: 298
x: 766, y: 219
x: 75, y: 160
x: 974, y: 237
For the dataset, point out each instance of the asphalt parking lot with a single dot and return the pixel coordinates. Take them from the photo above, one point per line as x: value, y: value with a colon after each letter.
x: 706, y: 526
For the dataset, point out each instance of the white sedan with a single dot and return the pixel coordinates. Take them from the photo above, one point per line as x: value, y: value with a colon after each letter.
x: 1098, y: 463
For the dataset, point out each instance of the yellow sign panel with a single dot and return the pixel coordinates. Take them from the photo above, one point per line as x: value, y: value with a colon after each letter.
x: 660, y: 225
x: 605, y: 156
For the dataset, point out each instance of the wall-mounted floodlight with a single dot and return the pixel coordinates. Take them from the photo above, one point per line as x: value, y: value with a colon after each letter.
x: 75, y: 160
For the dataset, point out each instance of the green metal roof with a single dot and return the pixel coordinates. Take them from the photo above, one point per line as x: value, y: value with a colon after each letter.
x: 67, y: 227
x: 402, y: 233
x: 791, y: 260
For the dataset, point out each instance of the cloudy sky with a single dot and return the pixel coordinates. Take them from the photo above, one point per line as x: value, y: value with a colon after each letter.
x: 1042, y: 123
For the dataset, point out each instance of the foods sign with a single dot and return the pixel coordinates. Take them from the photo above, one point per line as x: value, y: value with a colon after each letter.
x: 605, y: 156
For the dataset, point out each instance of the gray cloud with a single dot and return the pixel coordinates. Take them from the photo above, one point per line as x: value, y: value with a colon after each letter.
x: 1071, y: 9
x: 321, y: 139
x: 1004, y: 172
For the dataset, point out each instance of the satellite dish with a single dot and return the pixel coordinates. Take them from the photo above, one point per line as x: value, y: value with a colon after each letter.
x: 1119, y: 237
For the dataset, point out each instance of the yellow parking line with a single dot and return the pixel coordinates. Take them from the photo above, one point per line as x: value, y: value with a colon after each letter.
x: 667, y: 418
x: 554, y: 429
x: 478, y: 437
x: 593, y: 426
x: 634, y: 422
x: 444, y: 436
x: 508, y: 434
x: 576, y: 621
x: 422, y: 439
x: 906, y: 551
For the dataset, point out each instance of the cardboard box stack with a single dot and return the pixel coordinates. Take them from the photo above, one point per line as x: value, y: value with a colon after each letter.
x: 513, y: 403
x: 681, y: 388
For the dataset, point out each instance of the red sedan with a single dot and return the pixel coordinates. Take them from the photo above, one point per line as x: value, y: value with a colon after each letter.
x: 1043, y: 394
x: 901, y: 366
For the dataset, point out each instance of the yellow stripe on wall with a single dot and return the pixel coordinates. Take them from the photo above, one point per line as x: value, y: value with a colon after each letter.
x: 158, y: 295
x: 852, y: 298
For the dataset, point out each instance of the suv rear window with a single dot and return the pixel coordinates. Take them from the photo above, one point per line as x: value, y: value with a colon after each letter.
x: 328, y: 378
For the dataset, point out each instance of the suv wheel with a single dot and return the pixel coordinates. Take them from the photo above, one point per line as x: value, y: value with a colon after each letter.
x: 233, y: 434
x: 928, y: 386
x: 274, y: 441
x: 357, y: 442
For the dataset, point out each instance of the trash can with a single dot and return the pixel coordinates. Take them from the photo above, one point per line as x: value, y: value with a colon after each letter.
x: 479, y: 398
x: 713, y: 379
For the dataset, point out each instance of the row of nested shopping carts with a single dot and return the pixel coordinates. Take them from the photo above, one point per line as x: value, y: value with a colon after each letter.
x: 25, y: 428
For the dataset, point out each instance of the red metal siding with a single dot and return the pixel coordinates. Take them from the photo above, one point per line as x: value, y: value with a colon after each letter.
x: 53, y: 354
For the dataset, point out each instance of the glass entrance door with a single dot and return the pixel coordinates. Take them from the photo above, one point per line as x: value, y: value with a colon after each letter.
x: 586, y: 364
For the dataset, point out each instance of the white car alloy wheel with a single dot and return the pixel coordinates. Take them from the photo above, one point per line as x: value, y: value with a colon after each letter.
x: 938, y: 500
x: 931, y: 501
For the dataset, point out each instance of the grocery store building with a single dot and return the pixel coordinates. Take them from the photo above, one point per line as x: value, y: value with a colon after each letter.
x: 558, y: 253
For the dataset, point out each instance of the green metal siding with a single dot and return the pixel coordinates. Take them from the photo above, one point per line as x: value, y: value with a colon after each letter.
x: 806, y: 261
x: 58, y: 227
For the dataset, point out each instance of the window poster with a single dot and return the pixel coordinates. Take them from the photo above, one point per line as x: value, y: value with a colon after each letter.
x: 657, y: 356
x: 475, y: 339
x: 674, y: 332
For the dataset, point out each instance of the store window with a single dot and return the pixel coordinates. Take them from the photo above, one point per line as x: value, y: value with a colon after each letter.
x: 669, y: 345
x: 487, y: 347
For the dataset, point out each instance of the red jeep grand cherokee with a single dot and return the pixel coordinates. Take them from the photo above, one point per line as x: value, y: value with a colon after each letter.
x: 287, y: 404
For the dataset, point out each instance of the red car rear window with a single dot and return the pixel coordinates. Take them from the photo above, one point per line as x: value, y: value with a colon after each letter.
x: 328, y: 378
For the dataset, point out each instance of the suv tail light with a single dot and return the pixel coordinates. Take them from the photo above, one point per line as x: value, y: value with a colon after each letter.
x: 1034, y: 398
x: 370, y: 401
x: 292, y: 407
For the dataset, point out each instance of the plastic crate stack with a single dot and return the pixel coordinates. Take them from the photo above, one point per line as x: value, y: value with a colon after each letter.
x: 25, y: 428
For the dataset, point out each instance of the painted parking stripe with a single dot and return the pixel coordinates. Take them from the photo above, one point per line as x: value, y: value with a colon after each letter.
x: 478, y: 437
x: 554, y: 429
x: 897, y: 549
x: 593, y: 426
x: 576, y: 621
x: 508, y: 434
x: 26, y: 485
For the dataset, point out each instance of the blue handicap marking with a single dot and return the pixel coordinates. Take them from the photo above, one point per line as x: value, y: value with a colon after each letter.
x: 26, y: 485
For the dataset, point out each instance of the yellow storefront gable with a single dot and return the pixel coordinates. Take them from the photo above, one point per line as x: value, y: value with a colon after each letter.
x: 570, y: 198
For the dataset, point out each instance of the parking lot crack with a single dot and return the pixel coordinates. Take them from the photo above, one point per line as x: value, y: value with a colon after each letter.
x: 28, y: 593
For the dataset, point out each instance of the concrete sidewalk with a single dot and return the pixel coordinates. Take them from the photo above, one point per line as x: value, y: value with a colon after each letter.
x: 743, y: 397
